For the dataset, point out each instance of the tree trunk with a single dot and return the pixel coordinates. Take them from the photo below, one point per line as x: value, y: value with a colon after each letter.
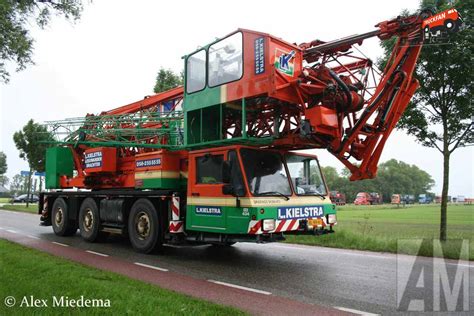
x: 444, y: 196
x: 28, y: 189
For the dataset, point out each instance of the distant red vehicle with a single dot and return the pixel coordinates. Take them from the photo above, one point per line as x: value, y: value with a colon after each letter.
x: 446, y: 21
x: 337, y: 198
x: 365, y: 198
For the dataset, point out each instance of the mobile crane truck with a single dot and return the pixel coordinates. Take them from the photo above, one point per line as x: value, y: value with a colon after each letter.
x: 217, y: 161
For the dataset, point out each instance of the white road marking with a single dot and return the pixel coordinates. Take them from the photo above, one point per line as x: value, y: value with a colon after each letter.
x: 461, y: 264
x: 61, y: 244
x: 354, y: 311
x: 240, y: 287
x: 97, y: 253
x: 352, y: 252
x: 31, y: 236
x: 151, y: 267
x: 302, y: 247
x: 1, y: 228
x: 12, y: 231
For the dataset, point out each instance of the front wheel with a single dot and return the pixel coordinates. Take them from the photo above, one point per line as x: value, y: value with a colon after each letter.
x: 143, y: 226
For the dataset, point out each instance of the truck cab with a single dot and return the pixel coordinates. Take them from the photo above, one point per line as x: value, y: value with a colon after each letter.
x: 362, y: 198
x: 253, y: 193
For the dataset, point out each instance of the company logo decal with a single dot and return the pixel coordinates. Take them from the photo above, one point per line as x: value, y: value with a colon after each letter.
x: 259, y: 55
x: 438, y: 25
x: 208, y: 210
x: 93, y: 159
x: 284, y: 62
x: 294, y: 212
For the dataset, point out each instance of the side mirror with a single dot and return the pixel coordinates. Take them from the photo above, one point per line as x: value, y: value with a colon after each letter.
x: 226, y: 172
x: 228, y: 189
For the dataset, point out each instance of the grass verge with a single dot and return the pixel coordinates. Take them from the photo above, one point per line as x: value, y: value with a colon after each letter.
x: 5, y: 200
x: 32, y: 208
x: 26, y: 272
x: 379, y: 228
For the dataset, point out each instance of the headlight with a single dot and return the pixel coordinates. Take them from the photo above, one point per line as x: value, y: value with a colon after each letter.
x: 332, y: 218
x: 268, y: 224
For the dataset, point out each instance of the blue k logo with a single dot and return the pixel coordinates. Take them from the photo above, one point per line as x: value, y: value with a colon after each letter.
x: 285, y: 58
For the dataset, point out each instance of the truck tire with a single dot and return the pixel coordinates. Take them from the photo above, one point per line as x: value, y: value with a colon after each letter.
x: 89, y: 220
x: 62, y: 225
x: 143, y: 226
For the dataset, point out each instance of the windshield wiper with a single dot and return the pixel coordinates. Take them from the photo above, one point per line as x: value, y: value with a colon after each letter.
x: 321, y: 195
x: 274, y: 193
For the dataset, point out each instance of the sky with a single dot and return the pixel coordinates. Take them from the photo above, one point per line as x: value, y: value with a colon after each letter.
x: 110, y: 57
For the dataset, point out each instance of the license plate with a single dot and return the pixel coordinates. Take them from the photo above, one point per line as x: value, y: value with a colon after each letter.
x: 315, y: 222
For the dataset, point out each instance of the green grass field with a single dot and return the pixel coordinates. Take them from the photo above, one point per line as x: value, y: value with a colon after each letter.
x: 5, y: 200
x: 32, y: 208
x: 378, y: 228
x: 25, y: 272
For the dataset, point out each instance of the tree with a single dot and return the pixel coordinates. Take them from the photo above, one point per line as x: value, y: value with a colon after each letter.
x: 398, y: 177
x: 440, y: 114
x: 4, y: 180
x: 3, y: 169
x: 167, y: 79
x: 331, y: 175
x: 32, y: 142
x: 393, y: 177
x: 16, y: 44
x: 3, y: 163
x: 18, y: 184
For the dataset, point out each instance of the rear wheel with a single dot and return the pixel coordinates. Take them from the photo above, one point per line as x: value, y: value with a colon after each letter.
x: 143, y: 226
x: 89, y: 220
x: 62, y: 224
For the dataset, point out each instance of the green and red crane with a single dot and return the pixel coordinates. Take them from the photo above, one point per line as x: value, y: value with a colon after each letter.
x: 217, y: 161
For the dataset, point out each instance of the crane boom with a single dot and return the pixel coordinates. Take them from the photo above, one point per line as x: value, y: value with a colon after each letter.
x: 312, y: 95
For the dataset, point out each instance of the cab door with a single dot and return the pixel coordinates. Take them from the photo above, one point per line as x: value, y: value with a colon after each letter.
x: 206, y: 204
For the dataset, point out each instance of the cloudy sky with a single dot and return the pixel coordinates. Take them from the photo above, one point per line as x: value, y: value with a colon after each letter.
x: 110, y: 58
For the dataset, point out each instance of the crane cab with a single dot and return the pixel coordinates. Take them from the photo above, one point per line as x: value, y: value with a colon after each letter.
x: 230, y: 80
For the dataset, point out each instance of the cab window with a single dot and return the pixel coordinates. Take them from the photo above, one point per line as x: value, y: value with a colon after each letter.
x: 305, y: 175
x: 209, y: 169
x: 266, y: 173
x: 196, y: 72
x: 225, y: 60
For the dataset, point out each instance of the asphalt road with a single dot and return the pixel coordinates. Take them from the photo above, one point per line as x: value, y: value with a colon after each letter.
x: 346, y: 279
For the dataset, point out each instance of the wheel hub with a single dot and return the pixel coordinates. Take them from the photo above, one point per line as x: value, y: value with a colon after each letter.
x: 142, y: 225
x: 88, y: 220
x: 58, y: 218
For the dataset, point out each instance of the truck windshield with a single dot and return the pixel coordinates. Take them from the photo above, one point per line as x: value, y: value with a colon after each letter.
x: 305, y: 175
x: 266, y: 174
